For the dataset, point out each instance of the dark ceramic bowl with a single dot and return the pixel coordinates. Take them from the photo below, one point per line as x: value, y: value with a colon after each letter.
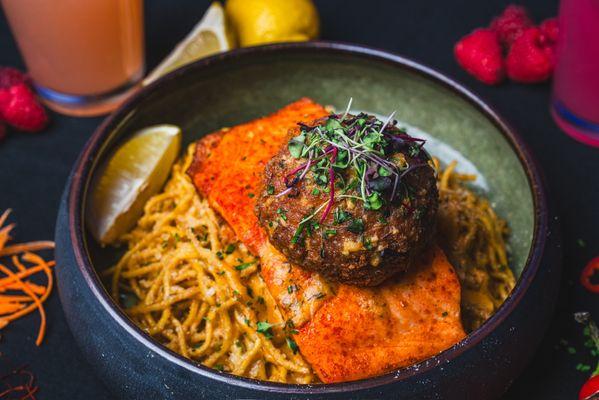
x: 243, y: 84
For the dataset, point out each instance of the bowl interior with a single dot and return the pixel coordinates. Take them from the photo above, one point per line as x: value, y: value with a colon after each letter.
x: 237, y: 89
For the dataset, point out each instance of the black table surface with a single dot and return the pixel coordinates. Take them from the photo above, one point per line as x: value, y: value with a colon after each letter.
x: 34, y: 167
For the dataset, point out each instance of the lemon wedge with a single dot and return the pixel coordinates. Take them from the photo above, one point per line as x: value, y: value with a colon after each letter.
x: 209, y: 36
x: 134, y: 172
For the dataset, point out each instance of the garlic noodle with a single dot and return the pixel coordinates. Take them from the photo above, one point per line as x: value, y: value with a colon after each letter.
x: 187, y: 282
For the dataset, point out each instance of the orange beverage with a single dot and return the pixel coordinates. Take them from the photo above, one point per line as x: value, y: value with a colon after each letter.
x: 83, y: 56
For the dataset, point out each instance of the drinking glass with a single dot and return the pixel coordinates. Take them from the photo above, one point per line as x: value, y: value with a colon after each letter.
x: 575, y: 102
x: 83, y: 56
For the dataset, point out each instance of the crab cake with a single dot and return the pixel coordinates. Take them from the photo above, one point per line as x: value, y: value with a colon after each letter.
x: 350, y: 197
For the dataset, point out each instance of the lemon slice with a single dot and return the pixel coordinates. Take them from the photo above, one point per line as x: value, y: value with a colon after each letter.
x: 209, y: 36
x: 133, y: 173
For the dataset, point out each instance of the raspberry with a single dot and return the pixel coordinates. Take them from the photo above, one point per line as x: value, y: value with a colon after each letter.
x: 511, y: 24
x: 530, y: 60
x: 549, y: 33
x: 550, y: 30
x: 479, y: 53
x: 23, y: 111
x: 11, y: 76
x: 4, y: 100
x: 2, y: 131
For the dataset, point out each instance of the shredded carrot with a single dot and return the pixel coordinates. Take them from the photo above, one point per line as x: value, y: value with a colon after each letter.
x: 5, y: 282
x: 4, y: 216
x: 5, y: 234
x: 36, y: 300
x: 8, y: 308
x: 32, y: 306
x: 37, y: 289
x: 23, y: 247
x: 5, y: 298
x: 26, y: 265
x: 18, y: 263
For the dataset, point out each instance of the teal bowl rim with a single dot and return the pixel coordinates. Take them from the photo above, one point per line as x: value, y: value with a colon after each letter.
x: 81, y: 175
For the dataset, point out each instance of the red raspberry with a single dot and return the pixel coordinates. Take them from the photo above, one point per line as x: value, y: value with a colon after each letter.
x: 479, y: 53
x: 2, y: 131
x: 11, y: 76
x: 550, y: 30
x: 23, y: 111
x: 4, y: 100
x: 529, y: 59
x: 549, y: 33
x: 511, y: 24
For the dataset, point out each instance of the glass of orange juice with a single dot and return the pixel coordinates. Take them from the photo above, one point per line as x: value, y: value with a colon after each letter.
x: 84, y: 56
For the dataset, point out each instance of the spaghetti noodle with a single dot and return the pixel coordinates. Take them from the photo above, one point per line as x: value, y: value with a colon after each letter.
x: 473, y: 236
x: 187, y: 282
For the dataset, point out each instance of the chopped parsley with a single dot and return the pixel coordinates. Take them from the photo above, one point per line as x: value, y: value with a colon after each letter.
x: 292, y: 345
x: 245, y: 265
x: 265, y: 328
x: 292, y: 288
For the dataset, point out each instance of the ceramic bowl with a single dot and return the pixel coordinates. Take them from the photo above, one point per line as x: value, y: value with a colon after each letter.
x: 237, y: 86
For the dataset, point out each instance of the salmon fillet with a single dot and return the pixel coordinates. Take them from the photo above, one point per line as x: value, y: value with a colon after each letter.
x: 345, y: 332
x: 229, y: 164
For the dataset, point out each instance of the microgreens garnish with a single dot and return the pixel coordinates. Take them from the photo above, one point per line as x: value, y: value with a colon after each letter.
x: 371, y: 151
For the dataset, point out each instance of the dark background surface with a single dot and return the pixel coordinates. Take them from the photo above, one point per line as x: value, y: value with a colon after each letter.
x: 34, y: 167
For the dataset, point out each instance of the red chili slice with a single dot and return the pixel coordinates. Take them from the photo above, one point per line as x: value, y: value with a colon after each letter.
x: 587, y: 273
x: 590, y: 390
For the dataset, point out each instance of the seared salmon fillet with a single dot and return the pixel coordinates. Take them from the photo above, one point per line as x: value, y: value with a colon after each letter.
x: 229, y: 165
x: 345, y: 332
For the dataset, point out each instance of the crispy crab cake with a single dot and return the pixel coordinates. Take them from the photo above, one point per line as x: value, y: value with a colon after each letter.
x: 350, y: 197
